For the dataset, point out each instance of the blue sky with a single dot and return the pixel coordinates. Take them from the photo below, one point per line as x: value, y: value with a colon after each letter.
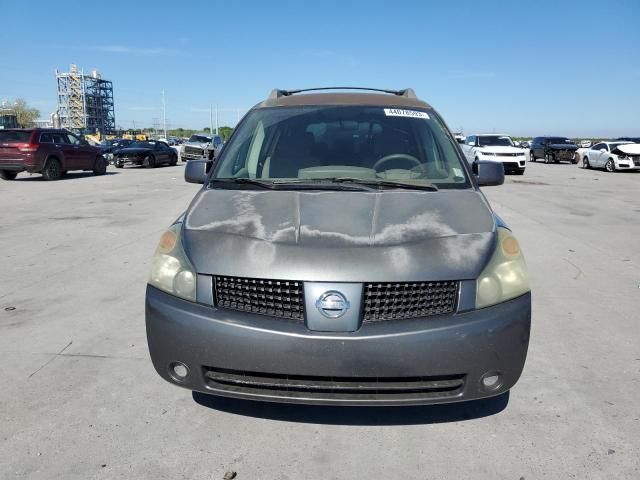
x: 525, y: 68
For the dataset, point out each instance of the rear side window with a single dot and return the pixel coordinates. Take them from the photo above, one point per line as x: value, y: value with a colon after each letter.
x: 12, y: 136
x: 59, y: 138
x: 46, y: 138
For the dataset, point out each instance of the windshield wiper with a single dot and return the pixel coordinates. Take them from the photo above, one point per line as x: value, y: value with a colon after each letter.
x: 386, y: 183
x: 293, y: 184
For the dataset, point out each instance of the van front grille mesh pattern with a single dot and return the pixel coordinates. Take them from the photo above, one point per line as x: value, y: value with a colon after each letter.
x: 392, y: 301
x: 277, y: 298
x: 381, y: 301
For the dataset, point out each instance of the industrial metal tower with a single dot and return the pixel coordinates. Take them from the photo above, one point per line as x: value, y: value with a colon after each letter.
x: 85, y: 102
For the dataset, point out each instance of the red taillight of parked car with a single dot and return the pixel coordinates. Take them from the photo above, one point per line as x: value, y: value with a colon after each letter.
x: 27, y: 147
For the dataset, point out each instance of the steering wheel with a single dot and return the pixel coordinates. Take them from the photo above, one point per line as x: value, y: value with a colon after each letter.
x: 394, y: 156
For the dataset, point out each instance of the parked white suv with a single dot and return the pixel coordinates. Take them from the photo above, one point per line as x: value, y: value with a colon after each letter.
x: 495, y: 147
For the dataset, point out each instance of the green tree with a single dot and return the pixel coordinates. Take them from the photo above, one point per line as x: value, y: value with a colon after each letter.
x: 27, y: 116
x: 225, y: 132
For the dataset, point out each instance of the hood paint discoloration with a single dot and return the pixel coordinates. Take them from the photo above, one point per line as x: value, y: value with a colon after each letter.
x: 340, y: 236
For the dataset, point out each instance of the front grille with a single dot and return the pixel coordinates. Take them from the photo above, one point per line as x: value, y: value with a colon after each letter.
x: 277, y: 298
x: 193, y: 152
x: 510, y: 165
x: 392, y: 301
x: 509, y: 154
x: 339, y: 388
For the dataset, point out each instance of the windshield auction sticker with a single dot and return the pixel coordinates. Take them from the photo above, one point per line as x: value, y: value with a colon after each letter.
x: 398, y: 112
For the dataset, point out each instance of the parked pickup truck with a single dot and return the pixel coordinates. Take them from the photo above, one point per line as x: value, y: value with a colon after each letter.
x: 51, y: 152
x: 494, y: 147
x: 553, y: 149
x: 202, y: 146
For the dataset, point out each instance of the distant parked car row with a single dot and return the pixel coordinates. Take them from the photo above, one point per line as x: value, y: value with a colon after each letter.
x: 495, y: 148
x: 553, y: 150
x: 148, y: 154
x: 50, y: 152
x: 612, y: 156
x: 54, y: 152
x: 201, y: 146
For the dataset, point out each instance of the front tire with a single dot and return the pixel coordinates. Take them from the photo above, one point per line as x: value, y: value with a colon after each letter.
x: 548, y: 158
x: 52, y: 170
x: 7, y: 175
x: 585, y: 163
x: 149, y: 162
x: 532, y: 156
x: 100, y: 166
x: 610, y: 166
x: 174, y: 161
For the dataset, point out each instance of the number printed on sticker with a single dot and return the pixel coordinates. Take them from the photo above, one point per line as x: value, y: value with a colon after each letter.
x: 399, y: 112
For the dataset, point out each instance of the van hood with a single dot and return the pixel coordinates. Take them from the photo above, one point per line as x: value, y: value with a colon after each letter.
x: 340, y: 236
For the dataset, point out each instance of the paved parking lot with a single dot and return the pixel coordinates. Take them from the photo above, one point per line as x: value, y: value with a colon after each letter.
x: 79, y: 398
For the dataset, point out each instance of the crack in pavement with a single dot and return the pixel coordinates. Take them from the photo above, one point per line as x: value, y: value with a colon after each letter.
x: 51, y: 359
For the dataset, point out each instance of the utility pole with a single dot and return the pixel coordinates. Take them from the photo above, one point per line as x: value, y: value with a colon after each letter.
x: 217, y: 125
x: 211, y: 120
x: 164, y: 115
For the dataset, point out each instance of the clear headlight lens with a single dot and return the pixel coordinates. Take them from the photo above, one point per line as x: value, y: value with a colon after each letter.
x: 171, y: 270
x: 505, y: 276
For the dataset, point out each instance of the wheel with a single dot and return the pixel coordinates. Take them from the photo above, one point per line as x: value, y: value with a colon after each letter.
x: 532, y: 156
x: 173, y: 162
x: 7, y: 175
x: 610, y: 166
x: 119, y: 165
x: 52, y: 170
x: 548, y: 158
x: 585, y: 163
x: 519, y: 172
x: 149, y: 162
x: 99, y: 166
x: 575, y: 159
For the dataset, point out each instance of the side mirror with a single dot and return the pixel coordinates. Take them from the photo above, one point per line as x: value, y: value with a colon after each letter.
x: 196, y: 171
x: 489, y: 173
x: 83, y: 142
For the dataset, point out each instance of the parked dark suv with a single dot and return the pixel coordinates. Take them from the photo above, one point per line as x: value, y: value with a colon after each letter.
x: 51, y: 152
x: 553, y: 149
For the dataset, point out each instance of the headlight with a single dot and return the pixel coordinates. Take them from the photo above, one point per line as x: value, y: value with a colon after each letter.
x: 171, y: 270
x: 505, y: 276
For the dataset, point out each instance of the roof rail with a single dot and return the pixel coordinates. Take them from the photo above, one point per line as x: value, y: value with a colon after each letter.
x: 406, y: 92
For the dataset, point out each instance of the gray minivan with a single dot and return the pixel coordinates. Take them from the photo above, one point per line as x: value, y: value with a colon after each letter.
x: 340, y: 251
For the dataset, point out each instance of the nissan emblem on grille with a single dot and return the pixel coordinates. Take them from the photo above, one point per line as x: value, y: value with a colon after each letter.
x: 332, y: 304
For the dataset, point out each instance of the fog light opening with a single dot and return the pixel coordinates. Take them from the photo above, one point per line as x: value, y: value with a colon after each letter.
x: 178, y: 371
x: 491, y: 381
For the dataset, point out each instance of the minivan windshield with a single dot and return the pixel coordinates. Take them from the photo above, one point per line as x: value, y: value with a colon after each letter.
x: 324, y: 144
x: 495, y: 141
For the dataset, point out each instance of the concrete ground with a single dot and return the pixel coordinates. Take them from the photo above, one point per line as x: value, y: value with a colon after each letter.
x: 79, y: 398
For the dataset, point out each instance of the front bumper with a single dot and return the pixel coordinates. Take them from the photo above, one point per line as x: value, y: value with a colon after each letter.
x: 628, y: 164
x: 127, y: 160
x: 419, y: 361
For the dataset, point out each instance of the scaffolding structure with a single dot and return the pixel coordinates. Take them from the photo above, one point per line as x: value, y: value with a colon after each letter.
x: 85, y: 102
